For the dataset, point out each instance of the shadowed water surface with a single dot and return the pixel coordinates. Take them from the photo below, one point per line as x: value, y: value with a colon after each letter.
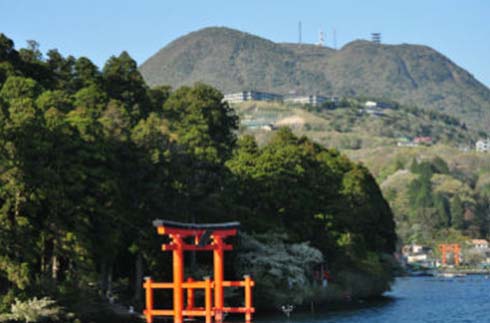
x: 420, y: 300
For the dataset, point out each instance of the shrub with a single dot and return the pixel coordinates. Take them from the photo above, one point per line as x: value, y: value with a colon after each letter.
x: 32, y: 310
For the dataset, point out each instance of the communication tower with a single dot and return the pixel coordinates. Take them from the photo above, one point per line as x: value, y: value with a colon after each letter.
x: 376, y: 38
x: 321, y: 38
x: 300, y: 31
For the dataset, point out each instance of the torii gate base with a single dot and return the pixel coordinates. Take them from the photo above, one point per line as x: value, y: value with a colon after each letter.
x: 202, y: 234
x: 455, y: 248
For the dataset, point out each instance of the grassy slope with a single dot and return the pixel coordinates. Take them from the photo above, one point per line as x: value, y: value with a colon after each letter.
x: 348, y: 128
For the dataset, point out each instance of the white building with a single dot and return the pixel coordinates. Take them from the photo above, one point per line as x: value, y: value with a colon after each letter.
x: 417, y: 254
x: 423, y: 257
x: 479, y: 243
x: 406, y: 144
x: 483, y: 145
x: 251, y: 96
x: 314, y: 100
x: 412, y: 249
x: 371, y: 104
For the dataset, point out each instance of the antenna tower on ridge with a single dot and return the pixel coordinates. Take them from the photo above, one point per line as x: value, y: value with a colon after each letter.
x: 376, y: 38
x: 334, y: 35
x: 321, y: 38
x: 300, y: 31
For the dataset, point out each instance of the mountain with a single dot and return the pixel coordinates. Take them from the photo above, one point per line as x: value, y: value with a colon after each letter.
x: 232, y: 60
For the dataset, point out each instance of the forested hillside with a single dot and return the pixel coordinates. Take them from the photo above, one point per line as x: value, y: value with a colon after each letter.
x: 89, y: 157
x: 438, y: 191
x: 232, y: 60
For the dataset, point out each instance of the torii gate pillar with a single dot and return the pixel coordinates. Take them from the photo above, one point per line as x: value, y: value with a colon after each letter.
x: 178, y: 273
x: 218, y: 259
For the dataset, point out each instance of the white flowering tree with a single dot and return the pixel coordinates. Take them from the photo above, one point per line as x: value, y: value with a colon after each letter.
x: 283, y: 271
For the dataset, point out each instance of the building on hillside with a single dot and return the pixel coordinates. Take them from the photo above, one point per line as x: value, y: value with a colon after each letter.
x: 415, y: 254
x: 251, y: 96
x: 375, y: 109
x: 313, y: 100
x: 380, y: 105
x: 417, y: 258
x: 405, y: 142
x: 412, y: 249
x: 483, y: 145
x: 423, y: 140
x: 481, y: 244
x: 478, y: 253
x: 370, y: 104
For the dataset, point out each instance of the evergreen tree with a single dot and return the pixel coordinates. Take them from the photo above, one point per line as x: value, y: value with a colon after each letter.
x: 457, y: 213
x: 443, y: 210
x: 124, y: 82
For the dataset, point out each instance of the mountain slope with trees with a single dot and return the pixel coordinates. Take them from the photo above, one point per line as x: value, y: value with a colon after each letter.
x: 235, y: 61
x: 438, y: 192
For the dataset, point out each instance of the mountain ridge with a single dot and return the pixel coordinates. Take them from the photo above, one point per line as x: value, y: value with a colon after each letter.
x: 232, y: 60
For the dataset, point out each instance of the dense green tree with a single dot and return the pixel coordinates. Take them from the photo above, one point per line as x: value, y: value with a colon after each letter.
x: 9, y: 58
x: 31, y: 64
x: 440, y: 166
x: 56, y: 99
x: 91, y: 98
x: 16, y: 87
x: 86, y: 74
x: 204, y: 127
x: 442, y: 207
x: 457, y: 213
x: 31, y: 54
x: 158, y: 95
x: 19, y: 194
x: 7, y: 50
x: 296, y: 186
x: 6, y: 70
x: 420, y: 193
x: 483, y: 216
x: 204, y: 124
x: 61, y: 69
x: 124, y: 82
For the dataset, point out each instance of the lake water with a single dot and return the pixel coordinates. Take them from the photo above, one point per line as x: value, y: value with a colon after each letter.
x: 420, y: 300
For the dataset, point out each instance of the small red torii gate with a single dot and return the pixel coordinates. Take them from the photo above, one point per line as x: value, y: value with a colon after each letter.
x: 455, y: 248
x: 206, y: 237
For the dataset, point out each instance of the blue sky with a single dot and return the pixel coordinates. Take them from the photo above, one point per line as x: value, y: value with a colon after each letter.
x: 99, y: 29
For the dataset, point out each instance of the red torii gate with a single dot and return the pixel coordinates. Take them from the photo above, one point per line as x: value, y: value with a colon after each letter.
x: 206, y: 237
x: 455, y: 248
